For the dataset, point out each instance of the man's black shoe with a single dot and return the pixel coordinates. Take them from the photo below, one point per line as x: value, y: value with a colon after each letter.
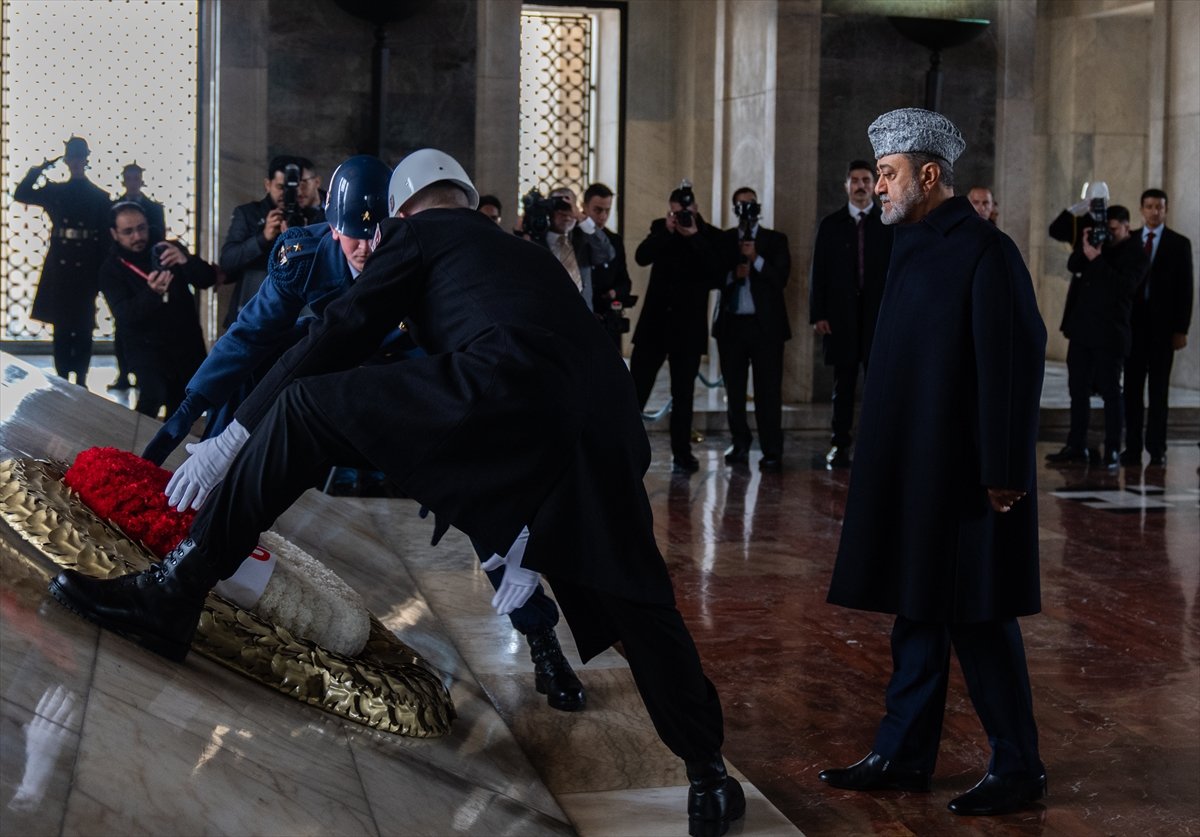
x: 771, y: 464
x: 1131, y: 459
x: 995, y: 795
x: 1111, y: 459
x: 686, y: 463
x: 1069, y: 453
x: 838, y: 457
x: 737, y: 455
x: 715, y: 799
x: 1158, y: 459
x: 875, y: 773
x: 158, y: 608
x: 553, y: 675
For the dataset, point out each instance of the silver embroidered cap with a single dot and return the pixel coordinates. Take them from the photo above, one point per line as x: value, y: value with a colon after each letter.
x: 915, y: 130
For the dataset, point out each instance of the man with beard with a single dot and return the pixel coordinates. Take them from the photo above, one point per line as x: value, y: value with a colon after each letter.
x: 940, y: 526
x: 147, y: 290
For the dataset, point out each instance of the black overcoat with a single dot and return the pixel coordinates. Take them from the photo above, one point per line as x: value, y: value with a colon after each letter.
x: 833, y: 292
x: 766, y: 287
x: 1168, y: 311
x: 79, y: 240
x: 523, y: 412
x: 1096, y: 314
x: 683, y: 270
x: 950, y: 407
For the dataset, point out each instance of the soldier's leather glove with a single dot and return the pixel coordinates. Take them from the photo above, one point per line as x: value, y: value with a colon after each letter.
x: 210, y: 459
x: 518, y: 583
x: 178, y: 426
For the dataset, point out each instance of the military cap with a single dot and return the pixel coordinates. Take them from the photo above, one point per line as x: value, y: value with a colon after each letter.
x: 916, y: 131
x: 132, y: 167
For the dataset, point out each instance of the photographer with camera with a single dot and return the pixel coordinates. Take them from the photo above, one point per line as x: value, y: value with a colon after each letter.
x: 556, y: 223
x: 293, y: 199
x: 146, y: 285
x: 611, y: 284
x: 751, y: 327
x: 682, y: 252
x: 1105, y: 269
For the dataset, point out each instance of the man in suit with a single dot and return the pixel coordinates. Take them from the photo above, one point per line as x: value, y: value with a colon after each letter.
x: 576, y: 241
x: 519, y: 426
x: 1162, y: 312
x: 255, y: 226
x: 611, y: 284
x: 1096, y: 322
x: 849, y: 268
x: 674, y: 321
x: 941, y: 526
x: 750, y: 328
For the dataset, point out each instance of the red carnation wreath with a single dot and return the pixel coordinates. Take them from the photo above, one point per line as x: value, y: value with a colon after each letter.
x: 127, y: 490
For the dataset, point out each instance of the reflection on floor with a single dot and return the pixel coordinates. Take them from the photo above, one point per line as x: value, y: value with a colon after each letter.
x: 108, y: 738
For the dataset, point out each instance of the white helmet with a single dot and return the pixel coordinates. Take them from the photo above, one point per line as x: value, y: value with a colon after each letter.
x: 423, y: 168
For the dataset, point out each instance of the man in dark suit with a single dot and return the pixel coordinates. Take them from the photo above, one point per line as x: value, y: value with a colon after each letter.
x: 255, y: 226
x: 519, y: 426
x: 674, y: 321
x: 1162, y: 312
x: 1096, y: 322
x: 750, y: 328
x: 849, y: 268
x: 611, y: 284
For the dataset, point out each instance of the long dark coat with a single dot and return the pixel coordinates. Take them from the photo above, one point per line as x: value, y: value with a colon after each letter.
x: 766, y: 288
x: 833, y: 292
x: 1099, y: 300
x: 523, y: 412
x: 1168, y: 311
x: 79, y: 240
x: 684, y: 269
x: 950, y: 407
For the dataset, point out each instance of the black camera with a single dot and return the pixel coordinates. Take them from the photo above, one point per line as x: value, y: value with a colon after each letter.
x: 156, y: 252
x: 291, y: 196
x: 1098, y: 234
x: 747, y: 213
x: 537, y: 212
x: 613, y: 317
x: 686, y: 198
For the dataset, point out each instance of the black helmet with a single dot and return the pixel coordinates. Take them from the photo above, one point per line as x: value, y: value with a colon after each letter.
x: 358, y: 196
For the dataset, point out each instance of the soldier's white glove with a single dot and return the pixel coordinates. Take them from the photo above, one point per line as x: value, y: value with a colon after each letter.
x: 210, y: 459
x: 518, y: 583
x: 1079, y: 208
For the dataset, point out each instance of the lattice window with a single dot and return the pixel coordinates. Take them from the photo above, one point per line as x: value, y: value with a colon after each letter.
x: 558, y: 94
x: 124, y: 76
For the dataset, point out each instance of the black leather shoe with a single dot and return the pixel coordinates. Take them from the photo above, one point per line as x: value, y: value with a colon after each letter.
x: 995, y: 795
x: 737, y: 455
x: 1068, y: 453
x: 553, y: 675
x: 686, y: 463
x: 1158, y: 459
x: 715, y: 799
x: 875, y: 773
x: 1111, y: 459
x: 838, y: 457
x: 1130, y: 459
x: 771, y: 464
x: 158, y: 608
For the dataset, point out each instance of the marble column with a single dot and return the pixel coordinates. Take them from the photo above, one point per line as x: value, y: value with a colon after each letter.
x: 498, y: 98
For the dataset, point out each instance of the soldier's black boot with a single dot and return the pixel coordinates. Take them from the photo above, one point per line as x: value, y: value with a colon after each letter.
x: 554, y: 677
x: 715, y: 799
x: 158, y: 608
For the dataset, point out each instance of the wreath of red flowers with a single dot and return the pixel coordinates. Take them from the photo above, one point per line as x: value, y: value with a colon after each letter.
x: 127, y: 490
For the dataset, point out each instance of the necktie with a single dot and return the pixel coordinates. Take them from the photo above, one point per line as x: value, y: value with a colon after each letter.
x: 862, y: 231
x: 1149, y: 248
x: 566, y: 255
x: 1149, y: 245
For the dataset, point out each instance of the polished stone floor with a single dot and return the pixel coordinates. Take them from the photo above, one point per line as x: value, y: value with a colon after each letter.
x: 118, y: 741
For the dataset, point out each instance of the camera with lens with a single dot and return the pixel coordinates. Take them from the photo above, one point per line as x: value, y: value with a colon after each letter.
x: 613, y: 317
x: 291, y: 196
x: 747, y: 213
x: 1096, y: 194
x: 156, y: 252
x: 537, y: 212
x: 686, y: 198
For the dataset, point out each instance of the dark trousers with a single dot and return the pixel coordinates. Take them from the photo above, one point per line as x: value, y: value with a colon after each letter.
x: 743, y: 347
x: 845, y: 382
x: 159, y: 388
x: 681, y: 702
x: 72, y: 352
x: 992, y: 657
x: 1148, y: 359
x: 644, y: 363
x: 538, y: 614
x: 119, y: 353
x: 1095, y: 370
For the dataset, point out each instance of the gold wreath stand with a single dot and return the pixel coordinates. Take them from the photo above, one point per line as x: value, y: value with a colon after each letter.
x: 387, y: 686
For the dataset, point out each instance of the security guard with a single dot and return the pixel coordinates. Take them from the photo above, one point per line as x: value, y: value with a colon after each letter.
x: 79, y: 241
x: 308, y: 269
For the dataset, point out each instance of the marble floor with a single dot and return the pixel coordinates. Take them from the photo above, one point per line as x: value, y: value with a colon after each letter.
x: 98, y: 736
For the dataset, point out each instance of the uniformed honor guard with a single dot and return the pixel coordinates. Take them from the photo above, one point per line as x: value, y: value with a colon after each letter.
x: 79, y: 240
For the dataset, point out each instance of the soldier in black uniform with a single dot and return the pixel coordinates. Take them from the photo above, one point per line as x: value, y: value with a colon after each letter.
x: 131, y: 177
x: 66, y: 294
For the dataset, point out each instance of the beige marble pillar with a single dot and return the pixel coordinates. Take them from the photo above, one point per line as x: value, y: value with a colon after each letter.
x: 497, y: 101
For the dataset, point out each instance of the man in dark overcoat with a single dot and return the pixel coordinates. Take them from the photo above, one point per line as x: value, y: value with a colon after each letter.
x: 751, y: 327
x: 521, y: 416
x: 941, y: 517
x: 849, y: 268
x: 79, y: 240
x: 681, y: 249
